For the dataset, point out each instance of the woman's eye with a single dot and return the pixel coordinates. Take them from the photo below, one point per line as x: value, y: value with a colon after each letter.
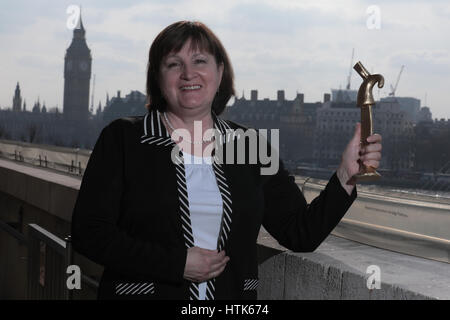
x: 198, y: 61
x: 172, y: 64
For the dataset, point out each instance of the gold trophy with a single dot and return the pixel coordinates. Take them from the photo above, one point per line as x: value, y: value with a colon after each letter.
x: 365, y: 101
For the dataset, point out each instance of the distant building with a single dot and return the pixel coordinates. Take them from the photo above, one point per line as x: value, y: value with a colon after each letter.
x: 77, y: 75
x: 335, y: 127
x: 424, y: 115
x: 335, y: 124
x: 343, y: 95
x: 17, y: 99
x: 295, y: 120
x: 411, y: 106
x: 75, y: 127
x: 432, y: 141
x: 36, y: 107
x: 396, y: 125
x: 132, y: 105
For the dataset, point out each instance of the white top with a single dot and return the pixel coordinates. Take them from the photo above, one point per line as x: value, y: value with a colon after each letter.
x: 205, y: 204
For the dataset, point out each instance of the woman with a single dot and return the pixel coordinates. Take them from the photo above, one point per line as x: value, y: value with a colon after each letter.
x: 167, y: 229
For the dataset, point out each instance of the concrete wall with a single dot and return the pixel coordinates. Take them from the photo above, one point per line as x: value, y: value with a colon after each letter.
x: 336, y: 270
x: 32, y: 195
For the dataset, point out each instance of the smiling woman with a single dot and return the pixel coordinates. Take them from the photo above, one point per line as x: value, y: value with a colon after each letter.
x: 190, y: 79
x: 179, y: 44
x: 168, y: 229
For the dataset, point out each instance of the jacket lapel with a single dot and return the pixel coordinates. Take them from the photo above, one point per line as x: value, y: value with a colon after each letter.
x: 156, y: 133
x: 154, y: 130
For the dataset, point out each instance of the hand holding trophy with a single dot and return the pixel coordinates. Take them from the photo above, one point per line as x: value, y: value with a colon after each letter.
x: 365, y: 101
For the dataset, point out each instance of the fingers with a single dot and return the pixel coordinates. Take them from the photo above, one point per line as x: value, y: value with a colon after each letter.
x: 217, y: 271
x: 370, y: 155
x: 218, y: 263
x: 374, y: 138
x: 206, y: 264
x: 371, y: 148
x: 212, y: 258
x: 215, y: 257
x: 372, y: 163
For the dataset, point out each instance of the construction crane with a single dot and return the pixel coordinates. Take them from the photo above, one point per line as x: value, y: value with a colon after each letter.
x: 350, y: 72
x: 394, y: 88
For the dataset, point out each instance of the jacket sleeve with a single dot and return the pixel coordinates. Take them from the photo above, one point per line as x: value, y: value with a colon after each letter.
x: 293, y: 222
x: 95, y: 231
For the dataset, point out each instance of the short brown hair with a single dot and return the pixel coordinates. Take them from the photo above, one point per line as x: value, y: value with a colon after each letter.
x: 172, y: 39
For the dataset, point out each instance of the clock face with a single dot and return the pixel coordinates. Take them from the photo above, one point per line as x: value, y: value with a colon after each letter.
x: 83, y: 65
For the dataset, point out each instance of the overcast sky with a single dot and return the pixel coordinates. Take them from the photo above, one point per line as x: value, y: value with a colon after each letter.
x: 302, y: 46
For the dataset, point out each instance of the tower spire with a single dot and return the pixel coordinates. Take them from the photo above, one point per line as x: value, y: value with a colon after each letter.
x: 80, y: 22
x: 17, y: 99
x: 79, y: 31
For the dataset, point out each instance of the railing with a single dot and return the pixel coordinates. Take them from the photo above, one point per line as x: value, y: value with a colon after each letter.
x: 70, y: 160
x: 48, y: 259
x: 13, y: 232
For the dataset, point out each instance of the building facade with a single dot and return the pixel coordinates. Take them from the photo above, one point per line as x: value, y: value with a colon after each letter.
x: 294, y: 119
x: 336, y: 122
x: 133, y: 104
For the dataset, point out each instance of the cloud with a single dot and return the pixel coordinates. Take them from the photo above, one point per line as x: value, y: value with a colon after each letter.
x: 424, y: 62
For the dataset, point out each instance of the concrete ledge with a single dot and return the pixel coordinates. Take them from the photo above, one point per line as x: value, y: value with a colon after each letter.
x: 49, y: 191
x: 337, y: 270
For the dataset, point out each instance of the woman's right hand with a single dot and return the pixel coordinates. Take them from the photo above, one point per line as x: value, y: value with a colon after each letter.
x: 203, y: 264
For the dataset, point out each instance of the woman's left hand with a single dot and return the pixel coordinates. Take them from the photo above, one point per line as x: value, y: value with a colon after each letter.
x: 354, y: 155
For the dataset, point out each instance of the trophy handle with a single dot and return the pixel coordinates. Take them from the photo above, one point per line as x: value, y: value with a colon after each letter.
x: 365, y: 95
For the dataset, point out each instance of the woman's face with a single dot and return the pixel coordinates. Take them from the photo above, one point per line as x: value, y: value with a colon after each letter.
x: 189, y: 79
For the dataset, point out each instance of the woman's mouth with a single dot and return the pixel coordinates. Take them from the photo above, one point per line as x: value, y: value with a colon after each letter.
x: 190, y: 88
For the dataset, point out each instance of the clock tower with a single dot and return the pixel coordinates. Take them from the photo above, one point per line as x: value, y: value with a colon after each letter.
x: 77, y: 75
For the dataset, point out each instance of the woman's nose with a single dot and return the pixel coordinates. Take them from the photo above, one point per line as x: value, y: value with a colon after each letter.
x: 188, y: 72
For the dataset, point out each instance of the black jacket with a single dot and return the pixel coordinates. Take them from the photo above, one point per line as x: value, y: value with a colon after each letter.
x: 130, y: 215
